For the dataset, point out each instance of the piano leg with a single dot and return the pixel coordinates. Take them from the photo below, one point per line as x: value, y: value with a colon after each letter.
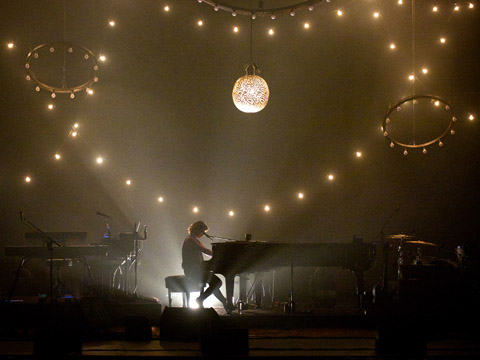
x: 229, y: 284
x: 360, y: 277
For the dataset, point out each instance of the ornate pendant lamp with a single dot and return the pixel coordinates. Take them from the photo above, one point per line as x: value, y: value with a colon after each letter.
x: 250, y: 93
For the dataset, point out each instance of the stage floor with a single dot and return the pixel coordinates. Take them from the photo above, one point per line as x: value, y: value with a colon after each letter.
x: 340, y: 333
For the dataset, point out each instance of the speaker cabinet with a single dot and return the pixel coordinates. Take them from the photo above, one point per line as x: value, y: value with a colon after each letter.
x: 184, y: 324
x: 57, y: 343
x: 138, y: 328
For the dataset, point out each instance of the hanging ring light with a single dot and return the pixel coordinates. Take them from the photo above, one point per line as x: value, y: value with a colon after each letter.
x: 61, y: 68
x: 396, y: 127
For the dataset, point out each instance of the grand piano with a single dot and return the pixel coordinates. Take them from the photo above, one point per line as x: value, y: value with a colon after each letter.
x: 237, y: 257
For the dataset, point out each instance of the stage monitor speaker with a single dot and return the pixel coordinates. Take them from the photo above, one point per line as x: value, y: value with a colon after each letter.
x: 403, y: 339
x: 57, y: 343
x: 138, y: 328
x: 224, y: 342
x: 184, y: 324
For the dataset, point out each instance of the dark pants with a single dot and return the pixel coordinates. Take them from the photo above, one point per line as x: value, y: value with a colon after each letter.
x: 214, y: 284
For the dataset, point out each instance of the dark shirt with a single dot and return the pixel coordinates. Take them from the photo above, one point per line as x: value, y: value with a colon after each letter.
x: 192, y: 258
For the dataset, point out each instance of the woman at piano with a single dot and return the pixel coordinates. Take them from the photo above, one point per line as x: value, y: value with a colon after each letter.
x: 194, y: 266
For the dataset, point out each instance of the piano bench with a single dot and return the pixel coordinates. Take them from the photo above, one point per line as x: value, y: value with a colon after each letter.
x: 180, y: 283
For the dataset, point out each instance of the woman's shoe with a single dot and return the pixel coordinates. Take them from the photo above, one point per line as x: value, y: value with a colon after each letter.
x: 199, y: 302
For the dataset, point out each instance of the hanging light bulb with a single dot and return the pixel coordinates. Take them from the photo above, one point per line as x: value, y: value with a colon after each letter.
x: 250, y: 93
x: 405, y: 152
x: 424, y: 150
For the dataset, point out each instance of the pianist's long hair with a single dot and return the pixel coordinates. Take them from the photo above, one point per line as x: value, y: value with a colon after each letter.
x: 197, y: 227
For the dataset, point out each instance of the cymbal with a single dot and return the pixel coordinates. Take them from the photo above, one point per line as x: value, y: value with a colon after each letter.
x: 419, y: 242
x: 400, y: 236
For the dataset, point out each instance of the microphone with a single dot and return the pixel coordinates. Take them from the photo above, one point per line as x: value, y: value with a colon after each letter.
x: 102, y: 214
x: 208, y: 236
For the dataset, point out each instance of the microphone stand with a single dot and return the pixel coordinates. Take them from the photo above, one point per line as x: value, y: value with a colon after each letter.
x: 135, y: 239
x: 49, y: 241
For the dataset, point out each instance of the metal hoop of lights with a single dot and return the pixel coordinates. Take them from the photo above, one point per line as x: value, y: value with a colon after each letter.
x: 260, y: 11
x: 68, y: 48
x: 434, y: 99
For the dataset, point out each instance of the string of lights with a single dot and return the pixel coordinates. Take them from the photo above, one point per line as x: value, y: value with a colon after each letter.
x: 442, y: 40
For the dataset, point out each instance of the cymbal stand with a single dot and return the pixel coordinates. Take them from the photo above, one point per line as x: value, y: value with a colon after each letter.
x: 49, y: 242
x: 385, y: 249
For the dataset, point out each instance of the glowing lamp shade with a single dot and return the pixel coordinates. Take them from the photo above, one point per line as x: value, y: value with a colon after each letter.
x: 250, y: 93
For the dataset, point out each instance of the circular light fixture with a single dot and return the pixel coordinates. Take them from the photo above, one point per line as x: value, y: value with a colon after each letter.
x: 260, y: 10
x: 427, y: 124
x: 63, y: 68
x: 250, y: 93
